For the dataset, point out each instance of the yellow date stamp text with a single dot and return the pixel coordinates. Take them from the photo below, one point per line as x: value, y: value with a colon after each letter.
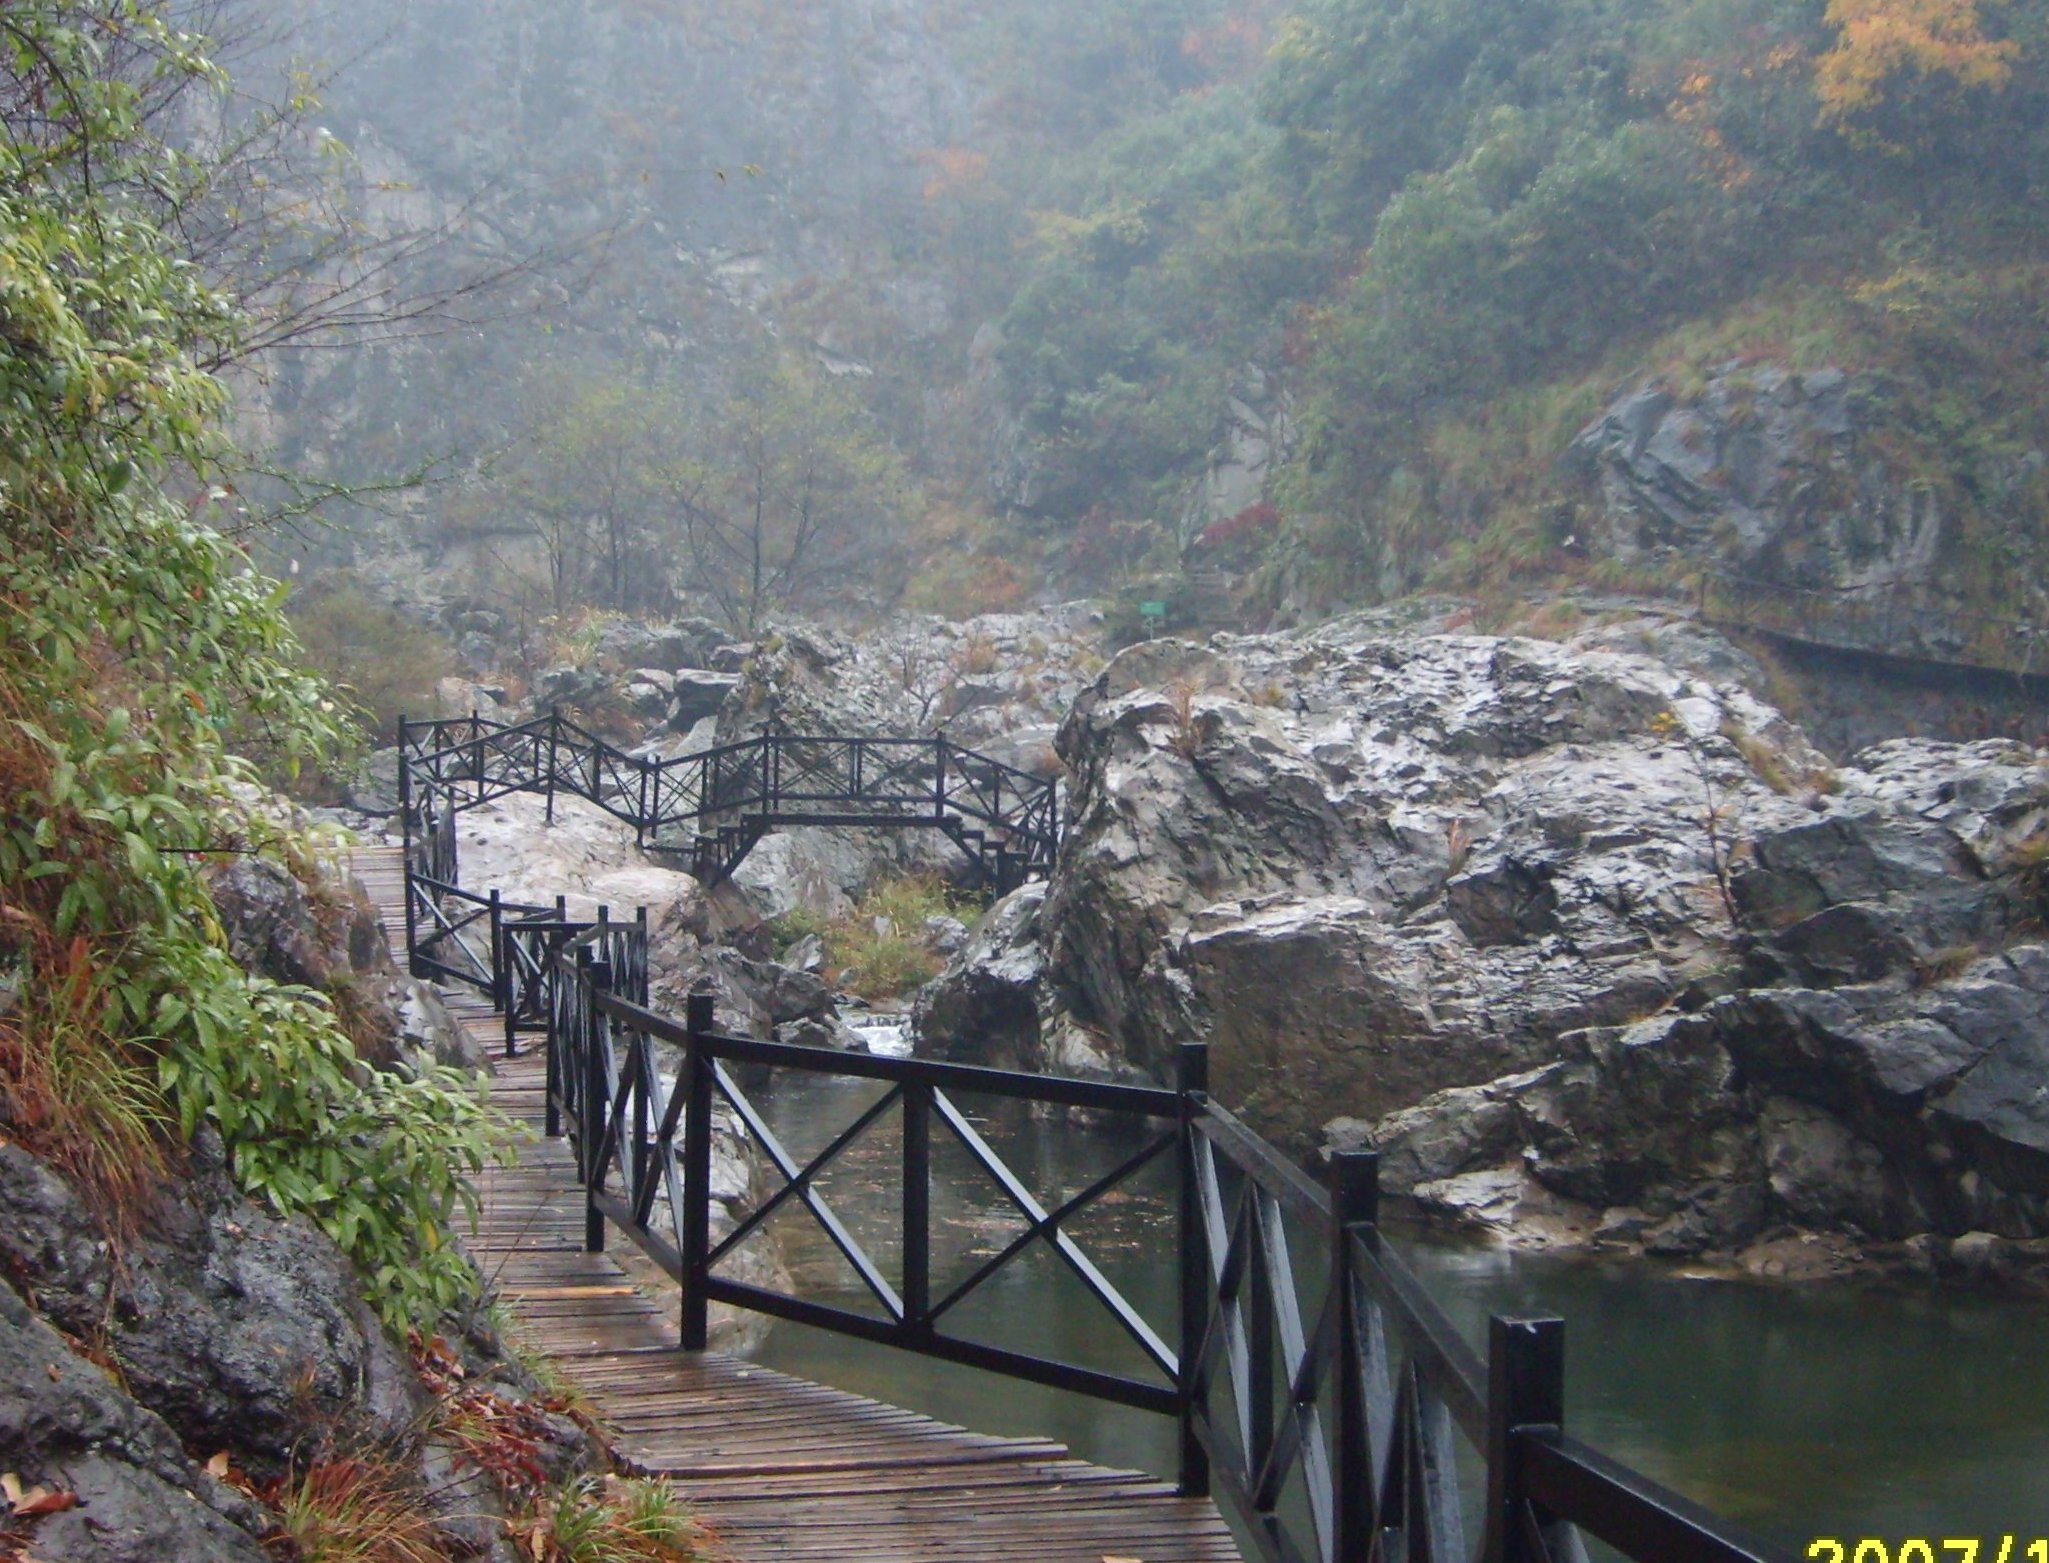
x: 1915, y: 1549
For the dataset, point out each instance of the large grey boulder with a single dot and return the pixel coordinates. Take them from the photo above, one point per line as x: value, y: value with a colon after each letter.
x: 697, y: 693
x: 984, y: 1007
x: 1592, y: 947
x: 66, y: 1426
x: 236, y: 1327
x: 1366, y: 867
x: 275, y: 927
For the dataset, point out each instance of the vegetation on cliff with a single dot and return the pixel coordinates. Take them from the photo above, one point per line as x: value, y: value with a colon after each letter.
x: 139, y: 654
x: 1461, y: 228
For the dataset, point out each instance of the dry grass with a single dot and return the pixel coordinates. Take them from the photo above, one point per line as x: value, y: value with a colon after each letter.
x: 1186, y: 739
x: 354, y: 1509
x: 977, y: 656
x: 880, y: 949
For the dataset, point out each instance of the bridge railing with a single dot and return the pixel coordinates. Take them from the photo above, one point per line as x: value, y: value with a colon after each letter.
x: 637, y: 1094
x: 1328, y: 1395
x: 1005, y: 818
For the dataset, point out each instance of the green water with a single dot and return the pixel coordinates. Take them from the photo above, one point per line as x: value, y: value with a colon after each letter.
x: 1860, y: 1411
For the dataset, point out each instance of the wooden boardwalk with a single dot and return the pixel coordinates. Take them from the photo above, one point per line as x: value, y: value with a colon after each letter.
x: 780, y: 1468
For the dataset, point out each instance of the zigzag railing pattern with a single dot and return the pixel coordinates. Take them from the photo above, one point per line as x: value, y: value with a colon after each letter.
x: 1005, y: 820
x: 1321, y: 1392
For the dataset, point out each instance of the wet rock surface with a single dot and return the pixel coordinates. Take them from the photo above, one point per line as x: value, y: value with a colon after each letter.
x: 1595, y: 948
x: 1588, y: 937
x: 236, y: 1327
x: 66, y: 1426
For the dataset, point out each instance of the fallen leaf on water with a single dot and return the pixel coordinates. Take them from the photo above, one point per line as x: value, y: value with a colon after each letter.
x: 217, y: 1467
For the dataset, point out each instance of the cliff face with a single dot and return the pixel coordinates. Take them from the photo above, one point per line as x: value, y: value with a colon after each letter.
x: 675, y: 186
x: 1796, y: 502
x: 1591, y: 943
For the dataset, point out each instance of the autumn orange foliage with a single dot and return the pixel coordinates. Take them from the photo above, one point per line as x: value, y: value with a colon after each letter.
x: 1879, y: 40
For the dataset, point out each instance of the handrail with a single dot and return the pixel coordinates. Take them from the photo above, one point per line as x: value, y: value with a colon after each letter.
x: 1322, y: 1402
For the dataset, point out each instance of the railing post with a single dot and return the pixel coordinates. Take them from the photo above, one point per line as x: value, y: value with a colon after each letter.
x: 640, y: 812
x: 596, y: 1105
x: 641, y: 957
x: 1193, y: 1085
x: 1355, y: 1211
x: 511, y: 1001
x: 698, y: 1024
x: 497, y: 909
x: 405, y: 836
x: 917, y: 1276
x: 1525, y: 1390
x: 554, y: 756
x: 939, y: 778
x: 556, y: 1044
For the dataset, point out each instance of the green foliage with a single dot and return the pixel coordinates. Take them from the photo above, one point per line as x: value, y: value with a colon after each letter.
x: 880, y: 949
x: 781, y: 492
x: 136, y: 646
x: 380, y: 1162
x: 1440, y: 220
x: 616, y: 1520
x: 1142, y: 297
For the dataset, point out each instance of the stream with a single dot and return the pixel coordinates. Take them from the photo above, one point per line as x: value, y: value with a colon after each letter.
x: 1849, y: 1410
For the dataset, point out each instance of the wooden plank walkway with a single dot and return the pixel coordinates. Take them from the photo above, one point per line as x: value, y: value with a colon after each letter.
x: 780, y: 1468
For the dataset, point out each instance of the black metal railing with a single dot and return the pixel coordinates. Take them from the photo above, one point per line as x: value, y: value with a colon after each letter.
x: 1006, y: 820
x: 1321, y: 1393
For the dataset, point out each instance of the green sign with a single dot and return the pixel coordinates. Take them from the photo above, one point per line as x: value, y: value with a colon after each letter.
x: 1153, y: 610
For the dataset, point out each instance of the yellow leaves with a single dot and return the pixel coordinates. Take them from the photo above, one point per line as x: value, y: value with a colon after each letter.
x: 956, y: 171
x: 1880, y: 40
x: 1692, y: 107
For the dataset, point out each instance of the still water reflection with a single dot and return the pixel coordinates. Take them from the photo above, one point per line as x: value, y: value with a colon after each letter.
x: 1870, y: 1411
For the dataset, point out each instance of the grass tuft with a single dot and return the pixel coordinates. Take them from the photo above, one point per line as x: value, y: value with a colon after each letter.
x: 354, y: 1509
x: 616, y: 1520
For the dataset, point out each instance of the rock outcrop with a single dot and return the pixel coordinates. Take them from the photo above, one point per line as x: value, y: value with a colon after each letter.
x: 1469, y: 845
x: 1788, y: 495
x: 240, y: 1329
x: 1593, y: 947
x: 67, y: 1427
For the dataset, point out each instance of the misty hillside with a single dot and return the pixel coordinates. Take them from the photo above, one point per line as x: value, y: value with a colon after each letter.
x: 1064, y: 297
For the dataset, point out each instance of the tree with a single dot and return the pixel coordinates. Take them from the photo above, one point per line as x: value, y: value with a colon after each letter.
x: 1881, y: 42
x: 589, y: 479
x: 790, y: 497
